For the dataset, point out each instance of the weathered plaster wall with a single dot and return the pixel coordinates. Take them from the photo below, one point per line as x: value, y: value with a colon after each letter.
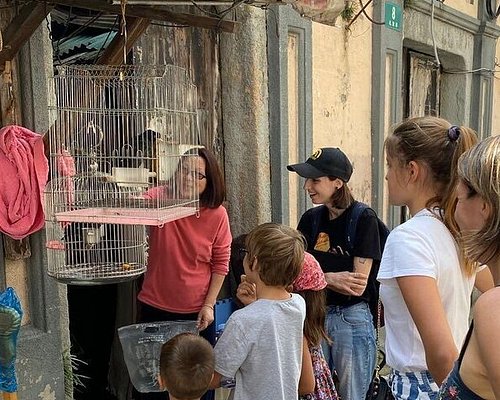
x: 245, y: 120
x: 495, y: 123
x: 469, y: 7
x: 43, y: 341
x: 456, y: 51
x: 342, y: 96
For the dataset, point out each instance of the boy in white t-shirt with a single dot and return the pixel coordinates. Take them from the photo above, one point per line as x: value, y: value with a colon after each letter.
x: 261, y: 346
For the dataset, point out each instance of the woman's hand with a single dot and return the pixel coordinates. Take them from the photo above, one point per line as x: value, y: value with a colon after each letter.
x: 247, y: 291
x: 348, y: 283
x: 205, y: 317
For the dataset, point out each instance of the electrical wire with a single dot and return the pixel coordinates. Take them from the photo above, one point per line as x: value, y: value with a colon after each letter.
x: 55, y: 49
x: 106, y: 40
x: 436, y: 56
x: 124, y: 32
x: 220, y: 15
x: 363, y: 9
x: 492, y: 13
x: 471, y: 71
x: 170, y: 25
x: 227, y: 11
x: 210, y: 14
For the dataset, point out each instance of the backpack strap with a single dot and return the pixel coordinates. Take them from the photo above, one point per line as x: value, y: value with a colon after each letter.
x: 357, y: 209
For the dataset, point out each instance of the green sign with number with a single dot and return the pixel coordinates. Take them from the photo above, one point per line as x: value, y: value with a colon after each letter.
x: 393, y: 16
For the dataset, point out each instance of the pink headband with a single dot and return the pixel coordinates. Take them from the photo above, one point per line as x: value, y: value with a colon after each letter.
x: 311, y: 277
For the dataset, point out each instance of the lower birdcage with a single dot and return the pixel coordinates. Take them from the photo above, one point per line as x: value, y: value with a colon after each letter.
x: 89, y: 254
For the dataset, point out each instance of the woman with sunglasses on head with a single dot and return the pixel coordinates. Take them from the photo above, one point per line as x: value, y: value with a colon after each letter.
x: 476, y: 374
x: 189, y: 257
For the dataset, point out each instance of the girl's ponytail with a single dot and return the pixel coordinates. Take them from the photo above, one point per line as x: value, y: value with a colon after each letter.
x: 465, y: 140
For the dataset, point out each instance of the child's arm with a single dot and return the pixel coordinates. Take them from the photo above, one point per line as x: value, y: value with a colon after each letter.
x: 307, y: 382
x: 215, y: 383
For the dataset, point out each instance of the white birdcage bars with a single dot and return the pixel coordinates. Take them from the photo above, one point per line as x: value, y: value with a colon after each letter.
x: 123, y: 131
x: 121, y: 157
x: 91, y: 254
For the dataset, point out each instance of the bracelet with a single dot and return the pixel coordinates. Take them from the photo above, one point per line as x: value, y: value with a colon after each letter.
x: 208, y: 305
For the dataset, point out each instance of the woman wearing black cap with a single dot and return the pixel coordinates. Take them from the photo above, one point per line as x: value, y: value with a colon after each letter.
x: 347, y: 266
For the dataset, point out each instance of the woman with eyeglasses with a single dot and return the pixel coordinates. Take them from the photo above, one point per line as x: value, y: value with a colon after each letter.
x: 189, y: 258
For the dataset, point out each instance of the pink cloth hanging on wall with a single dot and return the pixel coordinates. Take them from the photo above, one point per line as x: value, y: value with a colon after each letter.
x: 23, y: 176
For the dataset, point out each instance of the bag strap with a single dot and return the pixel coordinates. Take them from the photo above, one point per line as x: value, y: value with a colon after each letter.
x: 357, y: 209
x: 380, y: 353
x: 466, y: 343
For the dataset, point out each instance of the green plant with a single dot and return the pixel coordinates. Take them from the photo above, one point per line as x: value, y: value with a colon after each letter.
x: 72, y: 379
x: 349, y: 11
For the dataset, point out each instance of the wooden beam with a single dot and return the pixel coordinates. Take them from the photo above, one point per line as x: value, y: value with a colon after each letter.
x: 154, y: 13
x: 21, y: 28
x: 113, y: 55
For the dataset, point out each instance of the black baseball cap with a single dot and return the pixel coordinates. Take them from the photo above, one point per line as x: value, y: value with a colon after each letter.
x: 326, y: 161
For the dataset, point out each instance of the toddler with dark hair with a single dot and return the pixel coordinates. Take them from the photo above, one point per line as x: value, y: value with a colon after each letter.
x: 186, y: 366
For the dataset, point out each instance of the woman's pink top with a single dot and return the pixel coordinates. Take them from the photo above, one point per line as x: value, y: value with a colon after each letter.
x: 183, y: 255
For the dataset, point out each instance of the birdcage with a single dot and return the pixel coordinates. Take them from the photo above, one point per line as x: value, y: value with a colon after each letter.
x: 90, y: 254
x: 122, y: 156
x: 127, y: 135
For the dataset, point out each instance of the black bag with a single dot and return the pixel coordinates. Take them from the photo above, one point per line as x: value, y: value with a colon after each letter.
x: 379, y: 388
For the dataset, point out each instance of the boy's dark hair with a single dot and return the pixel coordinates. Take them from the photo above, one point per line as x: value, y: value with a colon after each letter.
x: 215, y: 192
x: 279, y: 250
x: 186, y: 366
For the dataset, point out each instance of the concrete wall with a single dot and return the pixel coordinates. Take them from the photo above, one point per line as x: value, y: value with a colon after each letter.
x: 245, y: 120
x: 342, y: 96
x: 468, y: 7
x: 495, y: 123
x: 456, y: 52
x: 44, y: 337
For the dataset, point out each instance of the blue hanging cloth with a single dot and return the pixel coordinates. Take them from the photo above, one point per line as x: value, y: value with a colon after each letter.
x: 10, y: 322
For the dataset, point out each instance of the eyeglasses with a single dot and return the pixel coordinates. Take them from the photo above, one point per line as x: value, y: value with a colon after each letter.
x: 195, y: 175
x: 243, y: 252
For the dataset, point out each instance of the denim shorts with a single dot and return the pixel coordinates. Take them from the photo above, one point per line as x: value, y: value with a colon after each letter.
x: 453, y: 388
x: 413, y: 385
